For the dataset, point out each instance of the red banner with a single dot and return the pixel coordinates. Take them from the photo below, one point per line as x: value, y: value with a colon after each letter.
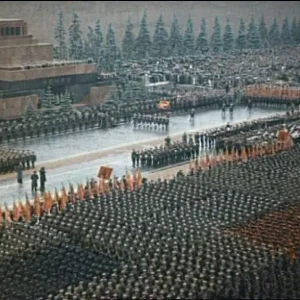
x: 105, y: 172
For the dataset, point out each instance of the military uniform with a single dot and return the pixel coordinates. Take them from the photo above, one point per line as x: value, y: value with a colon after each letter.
x: 133, y: 158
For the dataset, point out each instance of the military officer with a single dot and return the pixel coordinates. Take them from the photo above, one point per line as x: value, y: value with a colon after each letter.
x: 133, y: 158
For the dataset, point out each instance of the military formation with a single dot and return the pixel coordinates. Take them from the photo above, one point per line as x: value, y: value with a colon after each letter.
x: 228, y: 232
x: 103, y: 116
x: 10, y: 159
x: 51, y: 123
x: 173, y: 152
x: 271, y: 102
x: 227, y: 138
x: 151, y: 121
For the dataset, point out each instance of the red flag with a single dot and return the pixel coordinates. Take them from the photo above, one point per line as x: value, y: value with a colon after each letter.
x: 135, y: 180
x: 17, y: 213
x: 37, y: 205
x: 130, y: 181
x: 7, y: 217
x: 115, y: 183
x: 64, y: 199
x: 7, y: 213
x: 27, y: 211
x: 22, y: 209
x: 80, y: 192
x: 122, y: 186
x: 140, y: 178
x: 96, y: 189
x: 207, y: 160
x: 244, y: 154
x: 100, y: 185
x: 103, y: 185
x: 72, y: 193
x: 46, y: 202
x: 57, y: 198
x: 90, y: 191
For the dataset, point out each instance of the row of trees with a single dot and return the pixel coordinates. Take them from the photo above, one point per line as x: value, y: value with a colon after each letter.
x: 51, y: 100
x: 63, y: 101
x: 105, y: 52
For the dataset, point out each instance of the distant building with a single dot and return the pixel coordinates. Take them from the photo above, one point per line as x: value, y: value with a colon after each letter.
x: 27, y: 68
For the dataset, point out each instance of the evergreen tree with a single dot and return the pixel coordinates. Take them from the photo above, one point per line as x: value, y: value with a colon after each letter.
x: 294, y: 31
x: 49, y: 98
x: 263, y: 32
x: 202, y: 43
x: 66, y: 103
x: 176, y: 39
x: 89, y: 44
x: 242, y: 38
x: 189, y: 38
x: 55, y: 52
x: 60, y: 38
x: 160, y: 39
x: 113, y: 96
x: 228, y: 37
x: 274, y: 34
x: 61, y: 99
x: 99, y: 43
x: 253, y: 40
x: 134, y: 91
x: 128, y: 43
x: 285, y: 32
x: 57, y: 100
x: 143, y: 41
x: 30, y: 112
x: 216, y: 41
x: 86, y: 49
x: 111, y: 49
x: 75, y: 39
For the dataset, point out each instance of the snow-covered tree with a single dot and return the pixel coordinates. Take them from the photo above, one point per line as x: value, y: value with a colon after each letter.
x: 134, y: 91
x: 160, y: 39
x: 99, y: 43
x: 128, y: 43
x: 241, y: 40
x: 89, y: 44
x: 263, y: 32
x: 66, y: 103
x: 202, y: 42
x: 274, y: 34
x: 216, y: 38
x: 75, y: 39
x: 55, y: 52
x: 57, y: 100
x: 189, y: 38
x: 285, y: 32
x: 143, y: 41
x: 61, y: 98
x: 60, y: 38
x: 111, y: 49
x: 49, y: 98
x: 113, y: 97
x: 253, y: 40
x: 294, y: 31
x: 228, y: 38
x: 176, y: 39
x: 30, y: 112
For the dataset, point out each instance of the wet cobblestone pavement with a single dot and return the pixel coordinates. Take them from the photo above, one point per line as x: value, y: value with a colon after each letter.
x: 76, y: 144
